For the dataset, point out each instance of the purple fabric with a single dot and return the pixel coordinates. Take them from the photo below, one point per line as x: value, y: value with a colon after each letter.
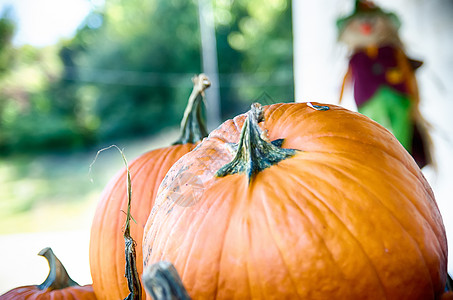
x: 368, y: 73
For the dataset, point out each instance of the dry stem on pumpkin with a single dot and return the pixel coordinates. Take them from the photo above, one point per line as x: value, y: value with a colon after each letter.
x: 254, y: 152
x: 131, y: 273
x: 133, y: 279
x: 193, y: 128
x: 58, y: 277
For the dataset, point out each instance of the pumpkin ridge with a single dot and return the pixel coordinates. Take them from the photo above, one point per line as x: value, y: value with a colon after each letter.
x: 166, y: 155
x: 289, y: 113
x: 154, y: 204
x: 140, y: 169
x: 408, y: 199
x: 199, y: 227
x: 309, y: 221
x: 428, y: 220
x: 163, y: 221
x: 383, y: 150
x: 149, y: 238
x: 220, y: 257
x: 101, y: 220
x: 286, y: 110
x: 293, y: 108
x: 294, y: 112
x: 314, y: 208
x: 164, y: 247
x: 237, y: 126
x: 184, y: 269
x: 359, y: 141
x: 95, y: 235
x: 392, y: 215
x: 269, y: 114
x: 140, y: 173
x: 233, y: 125
x: 247, y: 270
x: 232, y: 212
x: 25, y: 292
x: 73, y: 296
x: 220, y: 137
x: 247, y: 267
x: 340, y: 221
x: 169, y: 205
x: 266, y: 214
x: 119, y: 250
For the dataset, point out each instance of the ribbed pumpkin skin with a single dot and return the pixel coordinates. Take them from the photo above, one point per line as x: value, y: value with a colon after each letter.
x: 350, y: 216
x: 447, y: 296
x: 107, y: 258
x: 31, y: 292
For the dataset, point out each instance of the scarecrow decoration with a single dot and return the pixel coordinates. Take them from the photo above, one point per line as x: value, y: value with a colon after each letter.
x: 383, y: 77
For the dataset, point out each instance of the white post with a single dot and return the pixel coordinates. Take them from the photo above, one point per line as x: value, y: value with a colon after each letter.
x: 209, y: 60
x: 318, y: 61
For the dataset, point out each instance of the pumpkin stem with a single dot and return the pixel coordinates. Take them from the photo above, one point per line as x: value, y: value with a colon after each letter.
x: 58, y: 277
x: 162, y: 282
x: 254, y: 151
x: 193, y: 128
x: 131, y: 273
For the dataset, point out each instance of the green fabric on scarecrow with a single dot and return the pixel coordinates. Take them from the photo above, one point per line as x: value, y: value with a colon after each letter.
x: 393, y: 111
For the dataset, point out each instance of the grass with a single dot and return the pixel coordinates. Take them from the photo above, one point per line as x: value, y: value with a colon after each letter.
x: 57, y: 191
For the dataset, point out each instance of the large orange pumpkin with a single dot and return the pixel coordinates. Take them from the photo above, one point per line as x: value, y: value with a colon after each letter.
x: 333, y: 208
x: 107, y: 259
x: 58, y: 285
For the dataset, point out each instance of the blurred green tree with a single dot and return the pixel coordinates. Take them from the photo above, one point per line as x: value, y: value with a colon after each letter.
x: 255, y: 52
x: 127, y: 71
x: 7, y: 28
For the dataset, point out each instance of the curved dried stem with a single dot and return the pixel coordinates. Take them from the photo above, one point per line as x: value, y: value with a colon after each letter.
x: 58, y: 277
x: 193, y: 128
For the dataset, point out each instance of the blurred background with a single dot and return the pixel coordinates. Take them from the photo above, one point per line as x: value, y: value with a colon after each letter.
x: 80, y: 75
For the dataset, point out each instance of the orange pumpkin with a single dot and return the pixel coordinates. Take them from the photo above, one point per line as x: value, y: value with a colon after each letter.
x: 58, y: 284
x: 107, y: 259
x: 333, y: 208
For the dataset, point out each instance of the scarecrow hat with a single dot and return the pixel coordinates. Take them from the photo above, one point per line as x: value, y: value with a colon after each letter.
x: 366, y: 8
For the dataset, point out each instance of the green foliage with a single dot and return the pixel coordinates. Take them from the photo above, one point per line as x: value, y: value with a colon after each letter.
x: 127, y: 72
x: 7, y: 28
x: 255, y: 53
x: 131, y: 67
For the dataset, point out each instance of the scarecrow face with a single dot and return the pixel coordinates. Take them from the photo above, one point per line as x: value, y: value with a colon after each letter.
x: 369, y: 30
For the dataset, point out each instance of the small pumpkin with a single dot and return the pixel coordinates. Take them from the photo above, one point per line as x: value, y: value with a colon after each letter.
x: 316, y: 202
x: 58, y: 284
x: 107, y: 259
